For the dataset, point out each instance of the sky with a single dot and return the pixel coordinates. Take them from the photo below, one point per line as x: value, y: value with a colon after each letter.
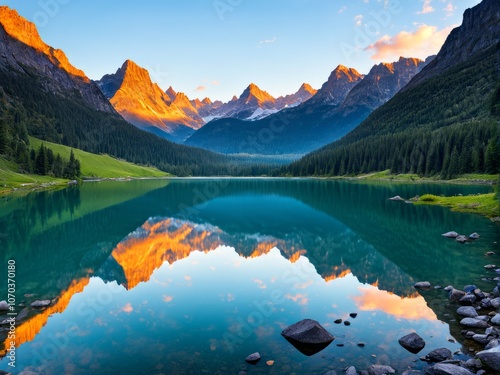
x: 216, y: 48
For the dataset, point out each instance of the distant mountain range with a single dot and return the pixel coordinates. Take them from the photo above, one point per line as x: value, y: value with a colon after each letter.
x: 444, y: 122
x: 343, y: 102
x: 172, y: 115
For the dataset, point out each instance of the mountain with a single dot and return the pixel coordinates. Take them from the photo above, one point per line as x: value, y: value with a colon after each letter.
x: 23, y: 52
x: 43, y: 95
x: 304, y: 93
x: 444, y: 123
x: 342, y: 103
x: 143, y: 103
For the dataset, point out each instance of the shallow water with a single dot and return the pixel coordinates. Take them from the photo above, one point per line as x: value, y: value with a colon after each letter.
x: 190, y: 276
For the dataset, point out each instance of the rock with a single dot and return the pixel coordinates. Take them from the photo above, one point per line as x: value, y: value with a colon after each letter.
x: 449, y: 288
x: 492, y: 344
x: 495, y: 302
x: 461, y: 239
x: 447, y: 369
x: 456, y: 294
x: 380, y: 370
x: 467, y: 311
x: 412, y: 372
x: 450, y: 234
x: 351, y: 371
x: 396, y: 198
x: 361, y: 344
x: 496, y: 320
x: 253, y: 358
x: 490, y: 266
x: 469, y: 288
x: 422, y: 285
x: 439, y: 355
x: 482, y: 339
x: 270, y: 363
x: 43, y: 303
x: 412, y: 342
x: 473, y: 323
x: 491, y: 358
x: 468, y: 334
x: 4, y: 306
x: 308, y: 336
x: 489, y: 253
x: 347, y: 323
x: 338, y: 321
x: 468, y: 299
x: 474, y: 236
x: 353, y: 315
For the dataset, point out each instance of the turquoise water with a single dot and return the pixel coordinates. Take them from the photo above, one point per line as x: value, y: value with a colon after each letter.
x: 190, y: 276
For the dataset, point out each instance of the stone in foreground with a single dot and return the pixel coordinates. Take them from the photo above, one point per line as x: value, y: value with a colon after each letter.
x: 43, y: 303
x: 380, y: 370
x: 452, y: 234
x: 422, y: 285
x: 491, y: 358
x: 447, y: 369
x: 473, y: 323
x: 412, y: 342
x: 461, y: 239
x: 474, y: 236
x: 439, y: 355
x: 4, y: 306
x: 308, y: 336
x: 467, y: 311
x: 253, y: 358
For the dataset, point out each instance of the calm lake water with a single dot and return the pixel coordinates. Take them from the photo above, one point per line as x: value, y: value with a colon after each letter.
x: 191, y: 276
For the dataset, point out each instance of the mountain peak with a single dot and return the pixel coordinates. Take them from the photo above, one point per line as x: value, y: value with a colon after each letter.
x: 24, y: 31
x: 479, y: 31
x: 171, y: 93
x: 307, y: 88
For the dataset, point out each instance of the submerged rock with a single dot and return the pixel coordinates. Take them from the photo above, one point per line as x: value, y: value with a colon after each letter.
x: 338, y: 321
x: 4, y: 306
x: 474, y: 236
x: 353, y: 315
x: 412, y: 342
x: 380, y: 370
x: 308, y: 336
x: 351, y: 371
x: 461, y: 239
x: 331, y: 372
x: 439, y: 355
x: 447, y: 369
x: 253, y: 358
x: 451, y: 234
x: 456, y: 294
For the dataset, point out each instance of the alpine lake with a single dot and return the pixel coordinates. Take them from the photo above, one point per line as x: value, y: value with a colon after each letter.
x: 190, y: 276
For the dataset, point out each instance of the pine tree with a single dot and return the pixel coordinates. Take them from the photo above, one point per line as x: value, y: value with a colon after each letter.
x: 492, y: 157
x: 41, y: 167
x: 4, y: 137
x: 454, y: 168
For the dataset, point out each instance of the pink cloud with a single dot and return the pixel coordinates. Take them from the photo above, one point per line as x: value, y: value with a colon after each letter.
x: 128, y: 308
x: 201, y: 88
x: 425, y: 41
x: 426, y: 7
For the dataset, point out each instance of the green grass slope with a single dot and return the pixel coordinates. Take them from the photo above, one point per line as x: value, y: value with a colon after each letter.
x: 102, y: 166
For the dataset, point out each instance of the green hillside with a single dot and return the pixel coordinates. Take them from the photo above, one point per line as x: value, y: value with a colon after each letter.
x: 103, y: 166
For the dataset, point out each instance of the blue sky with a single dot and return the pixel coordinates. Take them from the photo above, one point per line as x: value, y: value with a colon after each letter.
x: 215, y: 48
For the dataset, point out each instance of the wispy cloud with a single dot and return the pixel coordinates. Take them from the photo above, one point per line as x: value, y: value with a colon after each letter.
x: 358, y: 20
x: 425, y: 41
x: 449, y: 10
x: 216, y: 83
x: 426, y: 7
x: 342, y: 10
x: 266, y: 41
x: 201, y: 88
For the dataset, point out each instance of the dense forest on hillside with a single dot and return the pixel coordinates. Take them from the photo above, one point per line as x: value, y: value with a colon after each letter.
x: 446, y: 126
x: 27, y: 109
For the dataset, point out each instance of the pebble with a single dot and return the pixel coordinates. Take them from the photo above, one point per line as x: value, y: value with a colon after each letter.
x: 347, y: 323
x: 338, y: 321
x: 270, y: 363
